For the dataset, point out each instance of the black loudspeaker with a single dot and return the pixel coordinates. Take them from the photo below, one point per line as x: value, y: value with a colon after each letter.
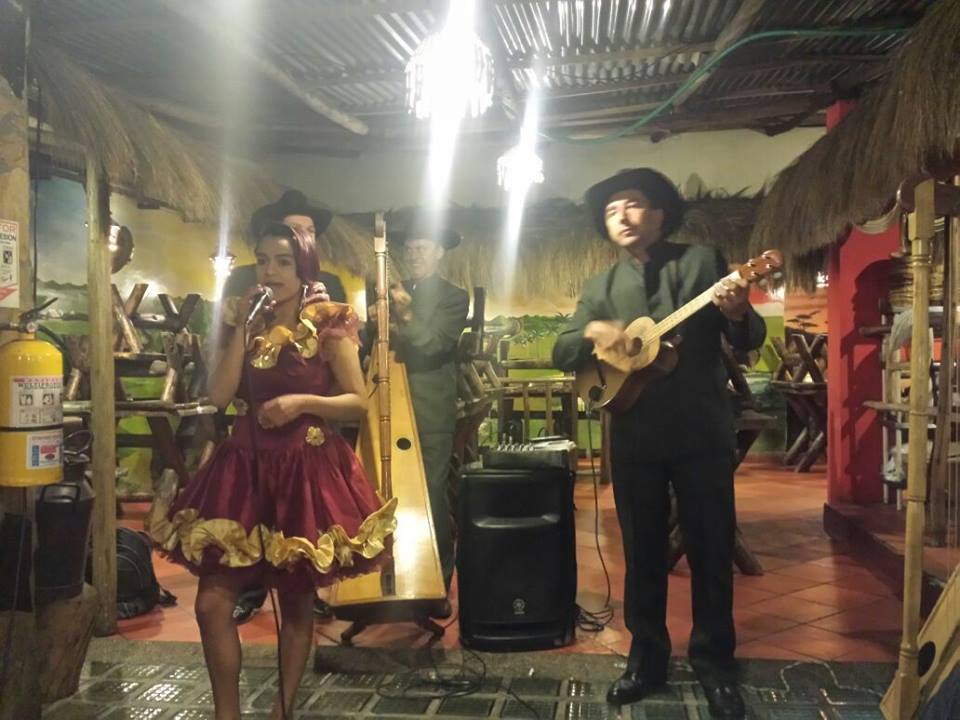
x: 516, y: 559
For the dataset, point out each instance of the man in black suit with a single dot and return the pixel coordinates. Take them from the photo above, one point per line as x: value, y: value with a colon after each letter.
x: 680, y: 433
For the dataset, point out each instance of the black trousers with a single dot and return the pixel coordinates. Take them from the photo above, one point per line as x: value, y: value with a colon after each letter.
x: 703, y: 485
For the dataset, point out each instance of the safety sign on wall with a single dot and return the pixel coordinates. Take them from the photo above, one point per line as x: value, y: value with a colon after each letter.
x: 9, y: 264
x: 35, y: 401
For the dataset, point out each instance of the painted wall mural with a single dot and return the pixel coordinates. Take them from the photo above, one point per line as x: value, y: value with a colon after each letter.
x: 173, y: 257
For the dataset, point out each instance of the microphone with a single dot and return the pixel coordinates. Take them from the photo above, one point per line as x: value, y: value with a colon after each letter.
x: 261, y: 301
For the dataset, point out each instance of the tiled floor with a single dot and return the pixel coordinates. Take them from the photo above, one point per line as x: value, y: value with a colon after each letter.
x: 773, y: 690
x: 813, y: 601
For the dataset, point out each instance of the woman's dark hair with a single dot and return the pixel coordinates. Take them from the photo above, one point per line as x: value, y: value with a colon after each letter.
x: 304, y: 249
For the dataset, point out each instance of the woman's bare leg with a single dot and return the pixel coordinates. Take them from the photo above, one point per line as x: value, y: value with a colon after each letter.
x: 296, y: 639
x: 216, y: 598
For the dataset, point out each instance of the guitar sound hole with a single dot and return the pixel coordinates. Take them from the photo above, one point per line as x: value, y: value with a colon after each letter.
x: 404, y: 443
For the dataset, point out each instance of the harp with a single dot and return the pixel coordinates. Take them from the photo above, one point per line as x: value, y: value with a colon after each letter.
x: 410, y: 587
x: 929, y: 653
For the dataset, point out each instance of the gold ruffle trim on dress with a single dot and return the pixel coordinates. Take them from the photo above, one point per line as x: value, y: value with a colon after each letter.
x: 305, y: 338
x: 241, y: 549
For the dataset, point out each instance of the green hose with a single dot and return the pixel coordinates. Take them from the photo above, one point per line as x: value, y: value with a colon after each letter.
x: 767, y: 34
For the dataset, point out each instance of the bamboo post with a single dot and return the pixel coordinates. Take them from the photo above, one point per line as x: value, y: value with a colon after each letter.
x: 383, y: 353
x: 940, y: 463
x: 102, y: 405
x: 921, y: 232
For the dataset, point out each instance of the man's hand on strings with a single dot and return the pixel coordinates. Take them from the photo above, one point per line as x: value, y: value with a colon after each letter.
x: 732, y: 297
x: 401, y: 303
x: 608, y: 336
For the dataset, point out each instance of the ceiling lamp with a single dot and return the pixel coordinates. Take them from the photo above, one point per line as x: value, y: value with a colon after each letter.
x: 222, y: 265
x: 519, y: 167
x: 451, y: 73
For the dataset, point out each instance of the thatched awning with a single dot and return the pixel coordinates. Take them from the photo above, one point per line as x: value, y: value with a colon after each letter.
x: 139, y: 153
x: 851, y: 174
x: 146, y: 158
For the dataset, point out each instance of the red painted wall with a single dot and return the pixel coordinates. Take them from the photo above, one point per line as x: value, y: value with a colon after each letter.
x: 858, y: 280
x: 858, y: 268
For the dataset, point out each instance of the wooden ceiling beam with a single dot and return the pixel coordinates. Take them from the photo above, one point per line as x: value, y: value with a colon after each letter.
x: 243, y: 45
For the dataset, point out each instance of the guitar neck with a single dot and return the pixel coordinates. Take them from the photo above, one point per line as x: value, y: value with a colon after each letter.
x: 678, y: 316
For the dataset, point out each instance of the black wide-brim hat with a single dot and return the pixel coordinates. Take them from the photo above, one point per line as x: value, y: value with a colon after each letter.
x: 419, y: 227
x: 662, y: 194
x: 292, y: 202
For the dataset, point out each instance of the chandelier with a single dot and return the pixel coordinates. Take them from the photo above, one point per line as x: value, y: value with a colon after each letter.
x: 519, y: 167
x: 223, y: 263
x: 451, y: 73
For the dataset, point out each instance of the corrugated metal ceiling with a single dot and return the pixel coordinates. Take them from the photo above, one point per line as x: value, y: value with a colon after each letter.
x: 587, y: 55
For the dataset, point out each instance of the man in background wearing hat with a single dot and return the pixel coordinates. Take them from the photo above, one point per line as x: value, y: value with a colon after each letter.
x: 679, y: 433
x: 295, y: 210
x: 291, y: 209
x: 430, y: 314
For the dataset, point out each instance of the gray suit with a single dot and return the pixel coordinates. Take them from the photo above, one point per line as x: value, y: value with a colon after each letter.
x: 427, y: 345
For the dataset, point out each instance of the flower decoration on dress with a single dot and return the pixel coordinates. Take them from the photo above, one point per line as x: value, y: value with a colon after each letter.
x: 315, y: 436
x: 316, y: 322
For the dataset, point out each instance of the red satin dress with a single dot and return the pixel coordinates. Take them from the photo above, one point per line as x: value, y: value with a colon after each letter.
x: 298, y: 490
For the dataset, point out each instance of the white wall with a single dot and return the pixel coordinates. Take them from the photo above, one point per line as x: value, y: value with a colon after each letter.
x: 728, y: 160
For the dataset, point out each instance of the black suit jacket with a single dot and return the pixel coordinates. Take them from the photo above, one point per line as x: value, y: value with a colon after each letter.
x: 689, y: 411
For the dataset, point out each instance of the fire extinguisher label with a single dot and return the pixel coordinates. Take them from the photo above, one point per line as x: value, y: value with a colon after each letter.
x: 43, y: 449
x: 36, y: 401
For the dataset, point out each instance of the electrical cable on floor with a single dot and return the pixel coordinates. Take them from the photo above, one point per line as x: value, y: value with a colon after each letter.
x: 595, y: 621
x: 444, y: 680
x: 441, y: 681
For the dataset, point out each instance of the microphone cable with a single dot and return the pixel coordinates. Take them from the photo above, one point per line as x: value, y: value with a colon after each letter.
x: 586, y: 620
x: 258, y: 500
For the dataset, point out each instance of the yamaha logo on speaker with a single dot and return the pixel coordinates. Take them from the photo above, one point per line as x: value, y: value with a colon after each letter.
x: 519, y: 606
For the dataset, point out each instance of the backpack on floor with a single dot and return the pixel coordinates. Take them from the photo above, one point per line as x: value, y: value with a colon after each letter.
x: 138, y: 591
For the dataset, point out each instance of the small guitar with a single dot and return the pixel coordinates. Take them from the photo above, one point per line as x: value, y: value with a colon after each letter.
x: 616, y: 381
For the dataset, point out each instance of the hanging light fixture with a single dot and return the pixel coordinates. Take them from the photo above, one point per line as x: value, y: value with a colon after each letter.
x: 450, y: 73
x: 519, y: 167
x: 222, y: 265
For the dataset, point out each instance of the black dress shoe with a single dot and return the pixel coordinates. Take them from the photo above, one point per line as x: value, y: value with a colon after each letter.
x: 243, y: 611
x: 725, y: 702
x: 632, y: 686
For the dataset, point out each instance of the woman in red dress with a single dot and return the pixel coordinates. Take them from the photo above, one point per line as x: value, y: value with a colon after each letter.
x: 284, y: 501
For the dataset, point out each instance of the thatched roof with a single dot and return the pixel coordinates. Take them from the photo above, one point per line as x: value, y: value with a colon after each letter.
x: 141, y: 155
x: 909, y: 123
x: 559, y: 248
x: 146, y: 158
